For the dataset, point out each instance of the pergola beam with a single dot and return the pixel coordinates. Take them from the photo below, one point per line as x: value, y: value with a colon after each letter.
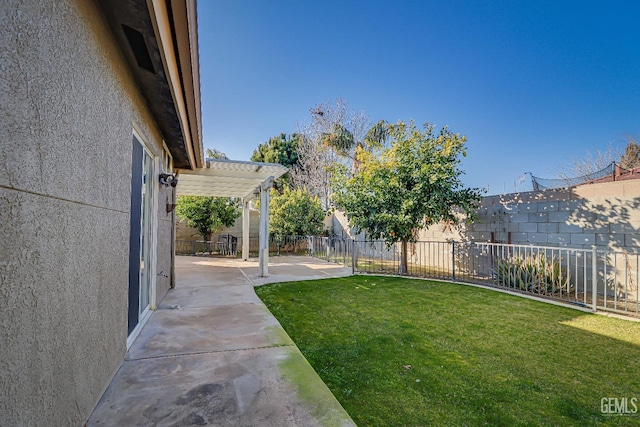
x: 243, y: 180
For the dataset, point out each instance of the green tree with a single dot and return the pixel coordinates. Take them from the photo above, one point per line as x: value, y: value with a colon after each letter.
x: 346, y: 145
x: 406, y: 185
x: 281, y: 149
x: 208, y: 214
x: 295, y: 212
x: 340, y: 139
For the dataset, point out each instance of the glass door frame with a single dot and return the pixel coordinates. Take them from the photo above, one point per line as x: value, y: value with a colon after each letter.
x: 148, y: 237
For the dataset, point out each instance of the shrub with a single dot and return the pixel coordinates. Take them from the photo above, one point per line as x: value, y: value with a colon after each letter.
x: 295, y: 213
x: 534, y: 273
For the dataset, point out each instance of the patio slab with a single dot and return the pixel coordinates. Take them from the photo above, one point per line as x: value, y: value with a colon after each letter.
x: 232, y: 388
x: 193, y: 297
x: 212, y: 354
x: 293, y: 268
x: 207, y: 329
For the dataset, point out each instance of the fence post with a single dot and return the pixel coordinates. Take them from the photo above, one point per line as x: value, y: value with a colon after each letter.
x: 594, y: 277
x: 453, y: 260
x: 328, y: 250
x: 354, y: 257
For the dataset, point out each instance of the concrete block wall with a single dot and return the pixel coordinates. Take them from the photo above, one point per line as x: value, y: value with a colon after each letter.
x: 606, y: 215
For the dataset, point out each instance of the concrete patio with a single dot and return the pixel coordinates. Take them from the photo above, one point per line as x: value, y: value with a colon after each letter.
x: 212, y: 354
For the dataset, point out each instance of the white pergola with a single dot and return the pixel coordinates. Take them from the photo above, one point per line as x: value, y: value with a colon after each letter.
x: 244, y: 180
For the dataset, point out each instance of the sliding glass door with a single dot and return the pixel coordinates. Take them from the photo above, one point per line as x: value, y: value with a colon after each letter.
x: 140, y: 253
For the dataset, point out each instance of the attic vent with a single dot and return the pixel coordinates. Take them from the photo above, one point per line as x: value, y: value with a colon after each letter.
x: 139, y: 48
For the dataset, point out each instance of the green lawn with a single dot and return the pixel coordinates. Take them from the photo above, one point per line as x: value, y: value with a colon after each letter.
x: 411, y: 352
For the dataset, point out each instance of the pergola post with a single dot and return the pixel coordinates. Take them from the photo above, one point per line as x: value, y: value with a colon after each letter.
x: 230, y: 178
x: 265, y: 187
x: 245, y: 228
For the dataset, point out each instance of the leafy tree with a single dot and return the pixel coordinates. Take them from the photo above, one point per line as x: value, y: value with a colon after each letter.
x: 295, y: 212
x: 631, y: 157
x: 406, y: 185
x: 340, y: 139
x: 280, y: 149
x: 346, y: 145
x: 208, y: 214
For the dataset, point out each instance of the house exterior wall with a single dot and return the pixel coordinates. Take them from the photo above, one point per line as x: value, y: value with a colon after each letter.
x: 164, y: 247
x: 67, y: 114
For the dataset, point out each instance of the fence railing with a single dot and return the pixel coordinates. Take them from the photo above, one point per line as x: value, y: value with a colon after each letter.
x: 332, y: 249
x: 287, y: 245
x: 593, y: 278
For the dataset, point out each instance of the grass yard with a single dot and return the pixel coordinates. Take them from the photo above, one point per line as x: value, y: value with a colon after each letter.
x: 409, y: 352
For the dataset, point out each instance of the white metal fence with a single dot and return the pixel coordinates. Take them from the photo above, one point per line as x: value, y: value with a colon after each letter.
x: 228, y: 245
x: 594, y: 278
x: 333, y: 249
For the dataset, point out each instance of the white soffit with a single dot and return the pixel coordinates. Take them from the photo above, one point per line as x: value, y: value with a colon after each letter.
x: 226, y: 178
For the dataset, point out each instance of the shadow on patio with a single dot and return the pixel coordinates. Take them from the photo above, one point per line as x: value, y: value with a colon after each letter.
x: 212, y: 354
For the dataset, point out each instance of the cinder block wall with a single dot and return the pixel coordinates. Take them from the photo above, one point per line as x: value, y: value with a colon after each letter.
x: 606, y: 215
x: 66, y: 116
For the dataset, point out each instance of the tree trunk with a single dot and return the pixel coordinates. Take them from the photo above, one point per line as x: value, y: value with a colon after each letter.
x: 403, y: 259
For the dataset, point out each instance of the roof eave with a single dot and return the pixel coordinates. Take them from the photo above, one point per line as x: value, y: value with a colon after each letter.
x: 171, y: 85
x: 176, y: 26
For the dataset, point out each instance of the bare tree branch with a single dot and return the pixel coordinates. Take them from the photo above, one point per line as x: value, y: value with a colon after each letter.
x: 589, y: 163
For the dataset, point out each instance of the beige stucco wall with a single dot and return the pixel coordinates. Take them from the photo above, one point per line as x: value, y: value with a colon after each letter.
x: 340, y: 226
x: 67, y: 112
x: 164, y: 245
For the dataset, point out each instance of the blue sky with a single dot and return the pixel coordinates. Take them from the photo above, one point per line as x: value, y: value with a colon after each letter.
x: 532, y: 84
